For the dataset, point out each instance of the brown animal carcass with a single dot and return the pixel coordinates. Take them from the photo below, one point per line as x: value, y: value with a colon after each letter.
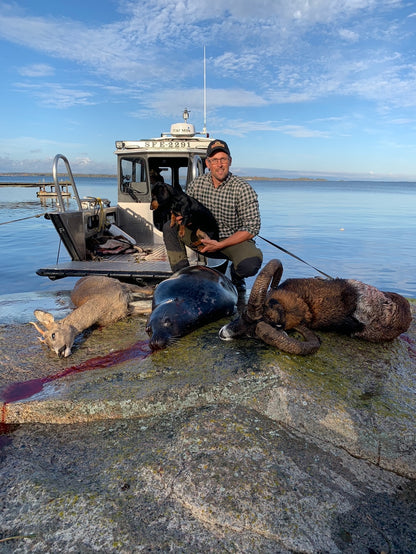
x: 341, y: 305
x: 99, y: 300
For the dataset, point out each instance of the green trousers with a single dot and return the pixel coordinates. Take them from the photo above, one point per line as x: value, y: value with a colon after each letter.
x: 245, y: 257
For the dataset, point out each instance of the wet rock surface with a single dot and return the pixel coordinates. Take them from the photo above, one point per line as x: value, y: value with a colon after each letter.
x: 210, y: 447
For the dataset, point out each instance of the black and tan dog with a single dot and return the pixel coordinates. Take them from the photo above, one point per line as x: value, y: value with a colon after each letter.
x: 345, y: 306
x: 193, y: 214
x: 161, y: 203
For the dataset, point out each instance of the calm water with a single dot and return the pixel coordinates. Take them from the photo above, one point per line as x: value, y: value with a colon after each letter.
x: 355, y: 230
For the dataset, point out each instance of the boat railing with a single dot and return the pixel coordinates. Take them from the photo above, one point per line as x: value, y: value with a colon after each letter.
x: 60, y: 201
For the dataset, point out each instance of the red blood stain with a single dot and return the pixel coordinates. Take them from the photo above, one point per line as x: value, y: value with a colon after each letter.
x: 26, y: 389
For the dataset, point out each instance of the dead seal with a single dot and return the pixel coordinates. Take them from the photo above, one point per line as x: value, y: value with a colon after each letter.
x: 190, y: 298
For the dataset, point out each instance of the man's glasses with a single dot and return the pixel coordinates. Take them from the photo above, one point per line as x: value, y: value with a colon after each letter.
x: 218, y: 161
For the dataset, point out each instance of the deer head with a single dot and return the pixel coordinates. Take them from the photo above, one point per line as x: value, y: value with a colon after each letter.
x: 59, y: 336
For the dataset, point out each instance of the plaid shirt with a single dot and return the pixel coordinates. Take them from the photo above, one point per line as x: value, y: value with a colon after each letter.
x: 234, y: 203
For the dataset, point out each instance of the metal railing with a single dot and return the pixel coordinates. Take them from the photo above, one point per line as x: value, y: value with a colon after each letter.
x: 60, y: 202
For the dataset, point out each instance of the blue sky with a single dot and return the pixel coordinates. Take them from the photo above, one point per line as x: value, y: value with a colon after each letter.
x: 319, y: 88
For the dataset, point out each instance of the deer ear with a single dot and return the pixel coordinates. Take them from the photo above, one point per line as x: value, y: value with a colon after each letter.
x: 45, y: 318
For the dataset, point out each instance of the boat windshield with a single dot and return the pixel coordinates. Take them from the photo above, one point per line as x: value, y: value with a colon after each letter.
x: 173, y: 170
x: 138, y: 173
x: 133, y: 177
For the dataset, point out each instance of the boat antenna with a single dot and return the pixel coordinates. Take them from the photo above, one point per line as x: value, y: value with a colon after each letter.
x: 204, y: 130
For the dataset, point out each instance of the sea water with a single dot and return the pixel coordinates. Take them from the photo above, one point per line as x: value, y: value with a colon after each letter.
x: 359, y: 230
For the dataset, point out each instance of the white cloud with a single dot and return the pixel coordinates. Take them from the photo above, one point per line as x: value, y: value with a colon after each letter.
x: 350, y: 36
x: 172, y: 101
x: 36, y: 70
x: 82, y: 162
x: 302, y: 132
x: 53, y: 95
x: 163, y: 31
x: 239, y: 127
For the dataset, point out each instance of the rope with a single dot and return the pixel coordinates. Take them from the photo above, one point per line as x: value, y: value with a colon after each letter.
x: 101, y: 217
x: 21, y: 219
x: 297, y: 257
x: 59, y: 251
x: 98, y: 207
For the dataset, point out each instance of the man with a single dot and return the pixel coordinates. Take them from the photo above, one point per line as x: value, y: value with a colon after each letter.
x: 235, y: 206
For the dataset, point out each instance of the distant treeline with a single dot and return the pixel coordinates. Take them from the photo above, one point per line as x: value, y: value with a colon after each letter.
x: 106, y: 176
x: 19, y: 174
x: 283, y: 178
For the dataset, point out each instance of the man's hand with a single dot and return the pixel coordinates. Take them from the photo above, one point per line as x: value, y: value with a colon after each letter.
x: 209, y: 245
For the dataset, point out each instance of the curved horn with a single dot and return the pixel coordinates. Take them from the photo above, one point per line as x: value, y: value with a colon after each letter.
x: 280, y: 339
x: 271, y: 272
x: 277, y: 275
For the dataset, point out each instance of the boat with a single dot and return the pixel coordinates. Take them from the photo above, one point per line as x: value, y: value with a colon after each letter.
x: 126, y: 241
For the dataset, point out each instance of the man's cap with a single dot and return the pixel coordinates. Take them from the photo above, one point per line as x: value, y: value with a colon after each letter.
x: 217, y: 146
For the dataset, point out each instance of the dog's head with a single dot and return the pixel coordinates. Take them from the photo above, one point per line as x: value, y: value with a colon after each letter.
x: 162, y: 195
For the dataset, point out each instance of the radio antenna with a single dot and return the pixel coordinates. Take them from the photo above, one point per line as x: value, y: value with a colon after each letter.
x: 204, y: 130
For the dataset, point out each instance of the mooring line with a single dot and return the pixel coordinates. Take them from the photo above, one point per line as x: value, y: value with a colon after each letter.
x: 294, y: 256
x: 21, y: 219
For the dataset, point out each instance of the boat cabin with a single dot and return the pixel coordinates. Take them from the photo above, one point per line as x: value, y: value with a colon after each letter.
x: 125, y: 241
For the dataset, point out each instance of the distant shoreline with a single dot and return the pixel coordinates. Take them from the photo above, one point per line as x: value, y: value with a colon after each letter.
x: 247, y: 177
x: 282, y: 178
x: 49, y: 175
x: 106, y: 176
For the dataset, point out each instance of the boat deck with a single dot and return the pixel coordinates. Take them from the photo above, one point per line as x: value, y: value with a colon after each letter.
x: 135, y: 267
x: 150, y: 265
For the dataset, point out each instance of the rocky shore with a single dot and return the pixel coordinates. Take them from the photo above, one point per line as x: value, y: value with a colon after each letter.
x: 209, y: 446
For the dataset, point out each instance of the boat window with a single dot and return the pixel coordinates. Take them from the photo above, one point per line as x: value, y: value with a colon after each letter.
x: 133, y: 177
x: 171, y: 170
x: 182, y: 175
